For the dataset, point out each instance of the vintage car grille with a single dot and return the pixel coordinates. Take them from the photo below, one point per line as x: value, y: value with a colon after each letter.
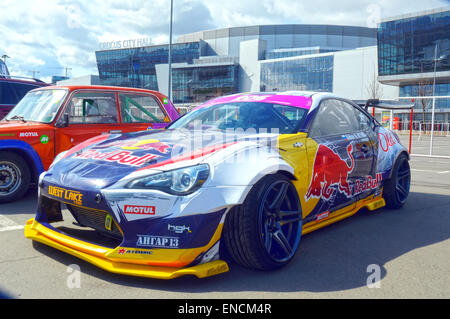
x: 94, y: 219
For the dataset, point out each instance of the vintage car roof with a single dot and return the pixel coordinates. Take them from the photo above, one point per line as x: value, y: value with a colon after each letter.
x: 101, y: 87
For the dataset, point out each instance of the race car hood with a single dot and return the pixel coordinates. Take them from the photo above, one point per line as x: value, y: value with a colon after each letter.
x: 104, y: 160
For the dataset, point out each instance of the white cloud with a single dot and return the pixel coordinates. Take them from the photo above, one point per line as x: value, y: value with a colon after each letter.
x: 50, y: 34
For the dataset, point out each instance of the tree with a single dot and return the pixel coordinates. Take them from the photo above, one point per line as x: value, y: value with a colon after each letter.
x: 373, y: 88
x: 423, y: 88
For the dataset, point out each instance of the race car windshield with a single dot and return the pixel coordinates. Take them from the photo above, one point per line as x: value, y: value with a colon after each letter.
x: 38, y: 106
x: 260, y: 116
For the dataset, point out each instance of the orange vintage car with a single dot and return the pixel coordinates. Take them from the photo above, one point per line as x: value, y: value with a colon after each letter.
x: 53, y: 119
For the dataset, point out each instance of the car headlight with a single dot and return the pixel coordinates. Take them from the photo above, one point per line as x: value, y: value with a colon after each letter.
x: 182, y: 181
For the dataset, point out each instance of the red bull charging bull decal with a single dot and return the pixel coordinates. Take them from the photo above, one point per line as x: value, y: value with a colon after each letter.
x: 151, y: 144
x: 329, y: 172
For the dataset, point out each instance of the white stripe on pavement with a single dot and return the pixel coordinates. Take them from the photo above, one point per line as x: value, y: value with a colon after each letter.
x: 429, y: 171
x: 7, y: 224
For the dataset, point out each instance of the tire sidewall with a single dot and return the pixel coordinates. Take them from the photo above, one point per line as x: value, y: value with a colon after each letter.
x: 25, y: 176
x: 252, y: 206
x: 392, y: 199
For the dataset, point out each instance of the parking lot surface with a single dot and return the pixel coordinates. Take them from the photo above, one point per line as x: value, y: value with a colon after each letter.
x: 409, y: 247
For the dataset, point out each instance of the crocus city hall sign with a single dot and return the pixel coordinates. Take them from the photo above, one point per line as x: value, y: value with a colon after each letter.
x: 125, y: 44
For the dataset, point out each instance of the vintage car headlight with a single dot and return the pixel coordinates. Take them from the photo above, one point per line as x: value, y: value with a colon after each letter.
x: 182, y: 181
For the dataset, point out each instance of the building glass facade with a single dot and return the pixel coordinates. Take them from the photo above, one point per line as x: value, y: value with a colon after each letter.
x: 135, y: 67
x: 201, y: 83
x: 311, y: 74
x: 410, y: 49
x: 408, y: 45
x: 426, y: 89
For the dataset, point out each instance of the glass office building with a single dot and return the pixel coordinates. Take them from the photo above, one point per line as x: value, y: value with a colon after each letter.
x: 135, y: 67
x: 413, y: 52
x: 211, y: 63
x: 309, y: 73
x: 285, y: 36
x: 409, y: 45
x: 195, y: 84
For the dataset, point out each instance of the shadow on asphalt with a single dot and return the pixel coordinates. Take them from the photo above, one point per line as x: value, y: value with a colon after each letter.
x: 331, y: 259
x: 28, y: 205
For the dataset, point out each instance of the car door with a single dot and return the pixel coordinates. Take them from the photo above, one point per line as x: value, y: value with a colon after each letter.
x: 141, y: 111
x: 367, y: 181
x: 335, y: 148
x: 88, y: 114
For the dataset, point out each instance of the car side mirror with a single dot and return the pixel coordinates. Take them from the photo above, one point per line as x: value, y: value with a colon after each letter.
x: 64, y: 122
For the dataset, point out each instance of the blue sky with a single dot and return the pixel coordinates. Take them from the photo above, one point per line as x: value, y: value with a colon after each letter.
x: 49, y: 35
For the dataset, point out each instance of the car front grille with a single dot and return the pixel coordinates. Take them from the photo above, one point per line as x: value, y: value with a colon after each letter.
x: 94, y: 219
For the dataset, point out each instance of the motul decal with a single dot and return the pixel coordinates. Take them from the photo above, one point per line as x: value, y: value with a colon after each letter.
x: 329, y: 172
x: 28, y: 134
x: 121, y: 157
x: 139, y: 210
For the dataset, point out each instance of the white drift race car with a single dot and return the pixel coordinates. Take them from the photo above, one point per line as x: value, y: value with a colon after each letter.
x: 239, y: 178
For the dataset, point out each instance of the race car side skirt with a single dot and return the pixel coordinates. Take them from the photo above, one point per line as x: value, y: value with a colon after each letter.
x: 97, y: 255
x: 371, y: 203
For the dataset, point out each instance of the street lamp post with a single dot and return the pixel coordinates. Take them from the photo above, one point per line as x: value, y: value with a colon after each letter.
x: 434, y: 98
x: 170, y: 52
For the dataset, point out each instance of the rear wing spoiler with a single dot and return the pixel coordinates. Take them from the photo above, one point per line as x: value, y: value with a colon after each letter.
x: 384, y: 104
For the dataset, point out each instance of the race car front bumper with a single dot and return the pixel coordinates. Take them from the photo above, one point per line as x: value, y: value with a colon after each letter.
x: 107, y: 258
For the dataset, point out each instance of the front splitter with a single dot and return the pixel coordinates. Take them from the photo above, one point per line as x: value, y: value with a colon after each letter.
x: 95, y: 255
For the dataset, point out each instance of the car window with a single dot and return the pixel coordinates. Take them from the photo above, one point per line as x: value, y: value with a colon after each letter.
x: 334, y: 117
x: 364, y: 122
x: 7, y: 95
x: 141, y: 108
x: 259, y: 116
x: 92, y: 108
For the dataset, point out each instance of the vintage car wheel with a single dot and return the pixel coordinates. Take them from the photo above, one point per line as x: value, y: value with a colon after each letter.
x: 265, y: 231
x: 396, y: 189
x: 14, y: 177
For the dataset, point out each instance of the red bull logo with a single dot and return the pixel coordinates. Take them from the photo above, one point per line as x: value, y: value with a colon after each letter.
x: 157, y: 145
x: 367, y: 184
x: 330, y: 172
x: 121, y: 157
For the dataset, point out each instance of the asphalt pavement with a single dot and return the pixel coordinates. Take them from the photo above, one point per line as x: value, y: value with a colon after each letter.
x: 408, y: 249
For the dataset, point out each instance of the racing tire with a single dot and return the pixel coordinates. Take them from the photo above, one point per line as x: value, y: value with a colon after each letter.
x: 264, y: 232
x: 15, y: 177
x: 396, y: 189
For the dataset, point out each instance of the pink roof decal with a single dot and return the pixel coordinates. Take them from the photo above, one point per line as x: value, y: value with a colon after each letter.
x: 290, y: 100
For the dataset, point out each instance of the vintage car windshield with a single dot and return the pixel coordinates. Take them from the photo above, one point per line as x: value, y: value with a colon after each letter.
x: 38, y: 106
x: 260, y: 116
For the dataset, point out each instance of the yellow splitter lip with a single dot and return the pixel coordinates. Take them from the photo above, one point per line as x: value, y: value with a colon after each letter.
x: 96, y: 255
